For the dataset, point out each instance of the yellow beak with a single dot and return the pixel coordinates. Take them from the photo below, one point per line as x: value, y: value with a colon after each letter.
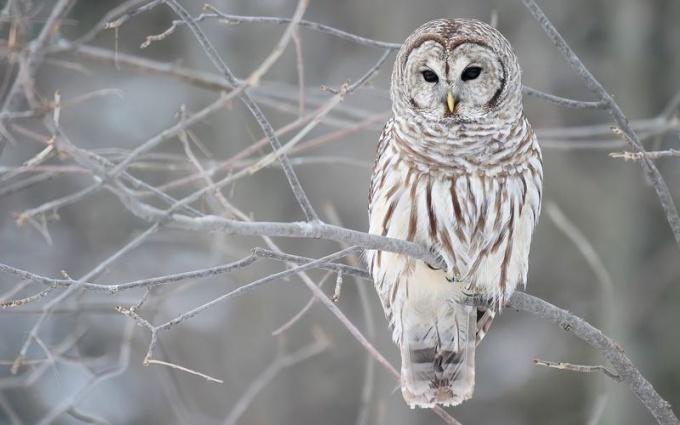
x: 450, y: 102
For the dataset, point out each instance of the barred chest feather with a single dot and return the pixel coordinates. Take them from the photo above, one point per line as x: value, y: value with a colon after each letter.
x: 480, y: 221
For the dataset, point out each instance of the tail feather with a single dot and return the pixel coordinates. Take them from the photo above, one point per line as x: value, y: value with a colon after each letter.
x: 438, y: 356
x: 484, y: 319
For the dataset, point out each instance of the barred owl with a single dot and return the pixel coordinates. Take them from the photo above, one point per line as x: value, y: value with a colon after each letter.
x: 459, y: 170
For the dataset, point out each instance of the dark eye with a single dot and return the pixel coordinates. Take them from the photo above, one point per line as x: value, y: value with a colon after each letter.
x: 430, y: 76
x: 471, y: 73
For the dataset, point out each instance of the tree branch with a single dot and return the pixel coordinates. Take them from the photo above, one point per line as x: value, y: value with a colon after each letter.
x: 612, y: 351
x: 215, y: 58
x: 614, y: 110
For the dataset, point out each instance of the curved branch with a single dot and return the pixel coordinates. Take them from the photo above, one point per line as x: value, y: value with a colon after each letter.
x: 614, y: 110
x: 657, y: 406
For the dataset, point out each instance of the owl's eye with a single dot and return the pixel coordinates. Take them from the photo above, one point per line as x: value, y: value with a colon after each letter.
x: 471, y: 73
x: 430, y: 76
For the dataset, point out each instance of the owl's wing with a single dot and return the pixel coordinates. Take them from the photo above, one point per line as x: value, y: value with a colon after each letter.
x: 378, y: 175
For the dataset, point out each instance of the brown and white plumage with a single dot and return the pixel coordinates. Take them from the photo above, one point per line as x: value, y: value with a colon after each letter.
x: 458, y: 169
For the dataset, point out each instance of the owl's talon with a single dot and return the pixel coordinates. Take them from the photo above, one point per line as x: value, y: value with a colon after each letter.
x: 455, y: 276
x: 475, y: 299
x: 440, y: 260
x: 432, y: 267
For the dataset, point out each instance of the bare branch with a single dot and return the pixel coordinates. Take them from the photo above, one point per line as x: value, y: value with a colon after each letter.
x: 142, y: 283
x: 234, y: 19
x: 183, y: 369
x: 293, y: 320
x: 173, y: 189
x: 578, y: 368
x: 96, y: 379
x: 614, y: 110
x: 299, y: 229
x: 252, y: 106
x: 24, y: 301
x: 33, y: 334
x: 282, y: 361
x: 563, y: 101
x: 636, y: 156
x: 253, y: 285
x: 255, y: 76
x: 127, y: 12
x: 33, y: 55
x: 612, y: 351
x: 280, y: 256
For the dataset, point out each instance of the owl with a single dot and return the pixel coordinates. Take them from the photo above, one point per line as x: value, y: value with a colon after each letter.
x: 459, y: 170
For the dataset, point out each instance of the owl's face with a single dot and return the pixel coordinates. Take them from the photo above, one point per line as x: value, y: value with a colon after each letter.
x: 454, y: 70
x: 461, y: 83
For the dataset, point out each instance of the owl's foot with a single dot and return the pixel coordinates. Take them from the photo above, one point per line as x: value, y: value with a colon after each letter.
x: 475, y: 299
x: 440, y: 260
x: 431, y: 267
x: 454, y: 276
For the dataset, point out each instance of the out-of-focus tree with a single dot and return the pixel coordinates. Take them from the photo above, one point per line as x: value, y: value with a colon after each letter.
x: 201, y: 171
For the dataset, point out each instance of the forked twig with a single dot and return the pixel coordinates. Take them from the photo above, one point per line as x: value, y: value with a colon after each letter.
x: 281, y: 362
x: 212, y: 54
x: 614, y: 110
x: 612, y: 351
x: 578, y: 368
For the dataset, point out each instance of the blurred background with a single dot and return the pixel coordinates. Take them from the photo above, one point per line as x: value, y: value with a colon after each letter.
x: 86, y: 364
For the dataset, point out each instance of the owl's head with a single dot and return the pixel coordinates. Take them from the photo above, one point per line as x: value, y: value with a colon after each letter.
x: 456, y: 69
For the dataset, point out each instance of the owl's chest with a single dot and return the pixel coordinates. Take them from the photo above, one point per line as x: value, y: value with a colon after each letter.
x: 461, y: 216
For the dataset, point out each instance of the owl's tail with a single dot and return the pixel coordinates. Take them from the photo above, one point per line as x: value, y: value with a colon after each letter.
x: 438, y: 355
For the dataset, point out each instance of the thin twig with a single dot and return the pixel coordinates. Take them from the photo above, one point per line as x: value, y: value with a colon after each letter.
x: 235, y: 19
x: 85, y: 417
x: 123, y: 12
x: 594, y: 261
x: 54, y: 205
x: 297, y: 42
x: 255, y: 76
x: 636, y: 156
x: 614, y: 110
x: 172, y: 131
x: 607, y: 310
x: 265, y: 161
x: 32, y: 57
x: 253, y: 285
x: 96, y: 379
x: 282, y: 361
x: 23, y: 301
x: 576, y: 104
x: 578, y: 368
x: 142, y: 283
x: 611, y: 350
x: 296, y: 318
x: 33, y: 334
x: 183, y: 369
x: 126, y: 15
x: 215, y: 58
x: 368, y: 386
